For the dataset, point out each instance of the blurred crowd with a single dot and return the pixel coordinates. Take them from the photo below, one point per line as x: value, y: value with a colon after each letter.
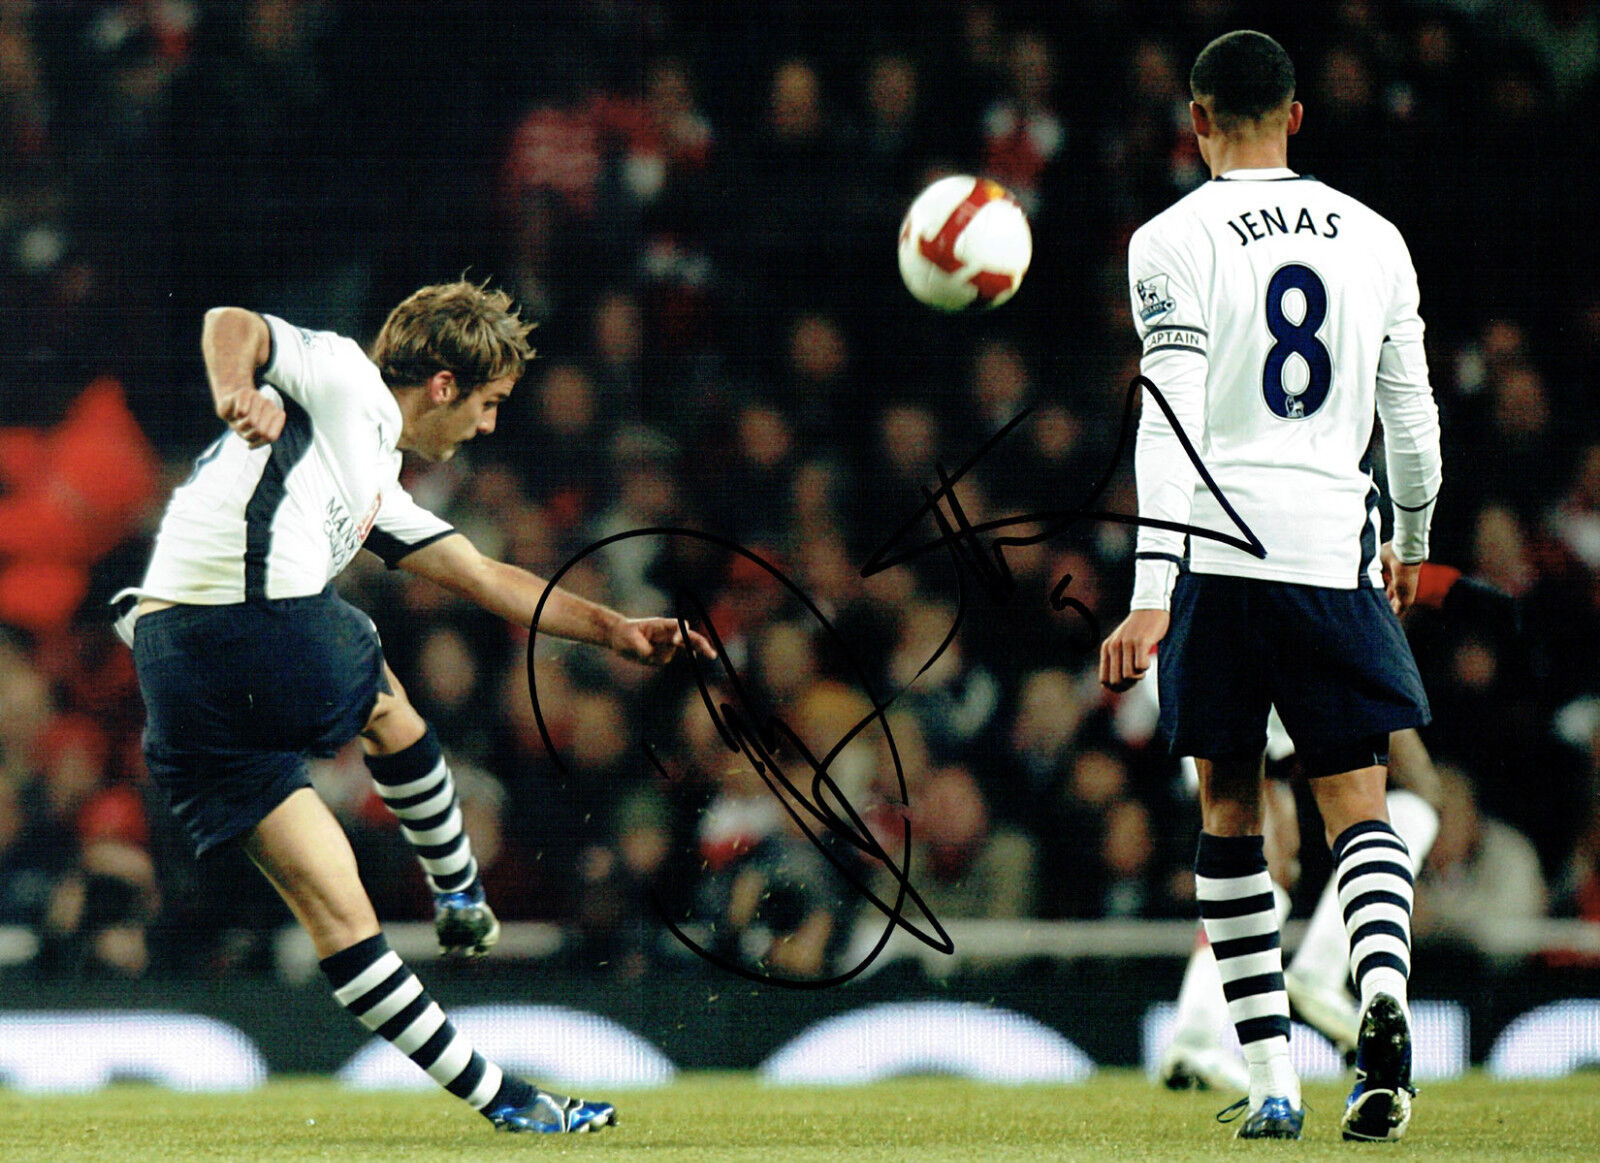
x: 699, y: 202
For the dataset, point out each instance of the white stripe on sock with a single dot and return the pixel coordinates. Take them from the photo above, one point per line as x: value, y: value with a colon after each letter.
x: 1214, y: 888
x: 446, y: 865
x: 400, y: 791
x: 1381, y: 943
x: 451, y: 827
x: 410, y: 1039
x: 452, y: 1062
x: 405, y: 993
x: 1220, y: 929
x: 1251, y: 965
x: 431, y: 806
x: 369, y: 977
x: 488, y: 1086
x: 1258, y: 1005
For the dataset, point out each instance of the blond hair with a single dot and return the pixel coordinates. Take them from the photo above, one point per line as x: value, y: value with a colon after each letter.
x: 460, y: 327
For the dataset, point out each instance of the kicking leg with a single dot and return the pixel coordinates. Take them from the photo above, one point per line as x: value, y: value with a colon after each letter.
x: 409, y: 769
x: 304, y: 853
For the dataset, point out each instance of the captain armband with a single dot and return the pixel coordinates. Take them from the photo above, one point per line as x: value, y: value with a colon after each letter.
x: 1191, y: 339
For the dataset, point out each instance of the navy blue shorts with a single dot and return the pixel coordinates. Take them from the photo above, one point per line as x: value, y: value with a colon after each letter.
x: 237, y: 697
x: 1335, y: 663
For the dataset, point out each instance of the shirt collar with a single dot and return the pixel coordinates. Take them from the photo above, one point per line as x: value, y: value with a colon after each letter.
x: 1272, y: 174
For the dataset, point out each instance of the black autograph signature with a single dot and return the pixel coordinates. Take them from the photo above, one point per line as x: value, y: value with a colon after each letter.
x: 964, y: 540
x: 762, y: 738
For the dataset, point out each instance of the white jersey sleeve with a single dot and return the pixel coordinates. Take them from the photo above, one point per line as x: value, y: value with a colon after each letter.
x: 313, y: 368
x: 1168, y: 314
x: 1410, y: 418
x: 402, y: 527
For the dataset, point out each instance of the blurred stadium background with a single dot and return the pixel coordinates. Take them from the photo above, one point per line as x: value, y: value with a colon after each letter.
x: 698, y: 202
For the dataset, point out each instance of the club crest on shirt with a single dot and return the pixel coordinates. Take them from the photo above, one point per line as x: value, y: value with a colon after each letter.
x: 1154, y: 298
x: 314, y: 339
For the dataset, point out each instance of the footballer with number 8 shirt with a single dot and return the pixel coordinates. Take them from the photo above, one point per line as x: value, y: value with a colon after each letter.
x: 1279, y: 317
x: 248, y: 660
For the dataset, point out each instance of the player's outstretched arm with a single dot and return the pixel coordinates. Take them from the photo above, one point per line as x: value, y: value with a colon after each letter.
x: 514, y: 594
x: 235, y: 343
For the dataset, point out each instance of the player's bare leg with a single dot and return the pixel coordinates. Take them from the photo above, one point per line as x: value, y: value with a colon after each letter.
x: 1351, y: 798
x: 303, y: 851
x: 409, y: 769
x: 394, y: 723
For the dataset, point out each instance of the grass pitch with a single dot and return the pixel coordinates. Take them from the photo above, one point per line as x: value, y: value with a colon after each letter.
x: 1117, y: 1115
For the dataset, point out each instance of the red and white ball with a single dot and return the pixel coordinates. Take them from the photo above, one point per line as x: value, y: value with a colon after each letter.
x: 964, y: 243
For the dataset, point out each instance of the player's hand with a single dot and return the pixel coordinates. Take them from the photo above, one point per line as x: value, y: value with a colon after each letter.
x: 656, y: 641
x: 254, y: 417
x: 1126, y: 655
x: 1400, y: 580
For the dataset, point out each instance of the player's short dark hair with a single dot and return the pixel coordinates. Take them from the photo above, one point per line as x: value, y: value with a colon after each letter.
x: 1242, y: 76
x: 460, y: 327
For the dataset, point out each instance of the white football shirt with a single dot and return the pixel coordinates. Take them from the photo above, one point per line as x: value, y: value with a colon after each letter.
x: 282, y: 520
x: 1278, y: 317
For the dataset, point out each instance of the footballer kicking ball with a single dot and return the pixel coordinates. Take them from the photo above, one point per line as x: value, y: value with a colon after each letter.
x: 965, y: 243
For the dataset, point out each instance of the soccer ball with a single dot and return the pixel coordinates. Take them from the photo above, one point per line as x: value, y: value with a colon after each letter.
x: 964, y: 243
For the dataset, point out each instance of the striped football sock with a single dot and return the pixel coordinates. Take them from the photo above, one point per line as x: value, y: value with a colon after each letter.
x: 416, y: 785
x: 1372, y: 868
x: 371, y: 981
x: 1241, y: 922
x: 1323, y: 956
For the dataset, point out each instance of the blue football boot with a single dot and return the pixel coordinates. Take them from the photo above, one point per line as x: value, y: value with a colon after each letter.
x: 552, y: 1114
x: 1380, y: 1104
x: 464, y: 922
x: 1273, y: 1119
